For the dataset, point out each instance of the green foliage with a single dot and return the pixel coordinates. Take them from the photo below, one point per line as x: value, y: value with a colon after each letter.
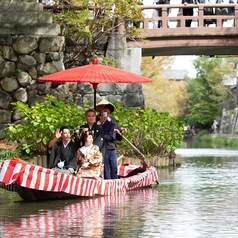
x: 232, y: 142
x: 6, y: 154
x: 90, y: 23
x: 206, y: 92
x: 216, y: 141
x: 153, y: 133
x: 110, y: 62
x: 41, y: 120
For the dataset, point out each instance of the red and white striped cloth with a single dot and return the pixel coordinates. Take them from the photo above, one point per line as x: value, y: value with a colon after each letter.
x: 35, y: 177
x: 125, y: 169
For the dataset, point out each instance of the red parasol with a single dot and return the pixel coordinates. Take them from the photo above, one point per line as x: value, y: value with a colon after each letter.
x: 95, y: 73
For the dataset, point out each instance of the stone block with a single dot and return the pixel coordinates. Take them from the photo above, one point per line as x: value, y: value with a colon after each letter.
x: 25, y: 17
x: 20, y: 6
x: 30, y: 29
x: 5, y: 39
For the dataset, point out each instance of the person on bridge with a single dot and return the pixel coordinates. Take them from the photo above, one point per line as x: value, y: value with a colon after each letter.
x: 208, y: 11
x: 231, y: 11
x: 188, y: 11
x: 160, y: 10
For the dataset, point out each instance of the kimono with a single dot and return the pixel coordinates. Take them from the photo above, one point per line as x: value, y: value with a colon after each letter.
x: 67, y: 156
x: 90, y: 161
x: 97, y: 137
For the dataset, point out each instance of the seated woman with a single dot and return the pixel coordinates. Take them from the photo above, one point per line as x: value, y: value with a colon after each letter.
x: 90, y: 159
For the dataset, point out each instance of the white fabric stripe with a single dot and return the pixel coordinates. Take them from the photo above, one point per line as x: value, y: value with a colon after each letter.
x: 64, y: 178
x: 16, y: 170
x: 51, y: 179
x: 25, y: 175
x: 42, y: 179
x: 67, y: 190
x: 73, y: 189
x: 57, y: 182
x: 35, y: 178
x: 4, y: 169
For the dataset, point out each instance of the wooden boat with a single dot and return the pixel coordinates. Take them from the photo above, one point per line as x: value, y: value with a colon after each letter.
x: 33, y: 182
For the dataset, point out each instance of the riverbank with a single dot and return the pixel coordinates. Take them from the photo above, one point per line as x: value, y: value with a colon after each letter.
x: 173, y: 160
x: 217, y: 141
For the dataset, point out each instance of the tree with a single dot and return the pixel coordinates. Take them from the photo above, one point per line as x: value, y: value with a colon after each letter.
x: 206, y: 92
x: 153, y: 68
x: 162, y: 94
x: 88, y: 26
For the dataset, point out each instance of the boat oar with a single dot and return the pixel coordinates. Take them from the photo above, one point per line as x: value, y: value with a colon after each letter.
x: 141, y: 156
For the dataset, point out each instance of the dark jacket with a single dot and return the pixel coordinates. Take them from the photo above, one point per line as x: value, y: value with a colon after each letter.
x: 67, y: 154
x: 109, y: 135
x: 117, y: 136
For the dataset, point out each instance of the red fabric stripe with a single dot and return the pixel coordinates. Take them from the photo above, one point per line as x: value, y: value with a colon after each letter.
x: 122, y: 169
x: 37, y: 184
x: 30, y: 177
x: 46, y: 181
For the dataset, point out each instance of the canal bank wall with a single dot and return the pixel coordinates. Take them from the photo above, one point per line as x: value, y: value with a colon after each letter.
x: 158, y: 162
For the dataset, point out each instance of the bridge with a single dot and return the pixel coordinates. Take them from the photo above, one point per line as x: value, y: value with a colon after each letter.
x: 173, y: 38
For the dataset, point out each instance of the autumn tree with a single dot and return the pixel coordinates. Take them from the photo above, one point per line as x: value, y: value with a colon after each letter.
x: 162, y: 94
x: 88, y: 26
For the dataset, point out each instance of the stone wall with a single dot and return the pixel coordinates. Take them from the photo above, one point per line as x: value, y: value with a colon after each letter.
x: 229, y: 122
x: 31, y: 46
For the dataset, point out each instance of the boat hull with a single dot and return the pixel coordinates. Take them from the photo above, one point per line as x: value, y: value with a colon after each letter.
x: 33, y: 182
x: 28, y: 194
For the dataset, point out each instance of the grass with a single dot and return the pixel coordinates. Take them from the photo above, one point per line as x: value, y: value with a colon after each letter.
x: 6, y: 154
x: 216, y: 141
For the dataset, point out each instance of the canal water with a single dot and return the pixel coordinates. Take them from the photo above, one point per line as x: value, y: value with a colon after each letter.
x: 198, y: 199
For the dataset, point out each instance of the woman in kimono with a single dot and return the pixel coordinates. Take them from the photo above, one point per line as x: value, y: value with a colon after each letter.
x: 90, y: 159
x: 63, y: 154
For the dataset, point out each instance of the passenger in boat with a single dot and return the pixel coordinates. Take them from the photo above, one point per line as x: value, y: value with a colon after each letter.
x: 63, y: 153
x: 89, y: 157
x: 91, y: 125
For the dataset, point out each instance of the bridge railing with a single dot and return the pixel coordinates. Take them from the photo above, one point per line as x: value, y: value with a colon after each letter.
x: 171, y: 16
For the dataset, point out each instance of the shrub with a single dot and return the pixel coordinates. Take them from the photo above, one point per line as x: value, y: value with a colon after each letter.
x: 217, y: 141
x: 41, y: 120
x: 6, y: 154
x: 232, y: 142
x: 153, y: 133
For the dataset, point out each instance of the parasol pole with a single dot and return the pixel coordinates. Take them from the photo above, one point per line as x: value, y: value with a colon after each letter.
x: 95, y: 85
x: 141, y: 156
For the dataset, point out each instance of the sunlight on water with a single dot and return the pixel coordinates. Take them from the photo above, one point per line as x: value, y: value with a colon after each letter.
x: 197, y: 200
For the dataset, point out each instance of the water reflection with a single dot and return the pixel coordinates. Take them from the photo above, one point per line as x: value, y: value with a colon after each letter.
x: 196, y: 200
x: 97, y: 217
